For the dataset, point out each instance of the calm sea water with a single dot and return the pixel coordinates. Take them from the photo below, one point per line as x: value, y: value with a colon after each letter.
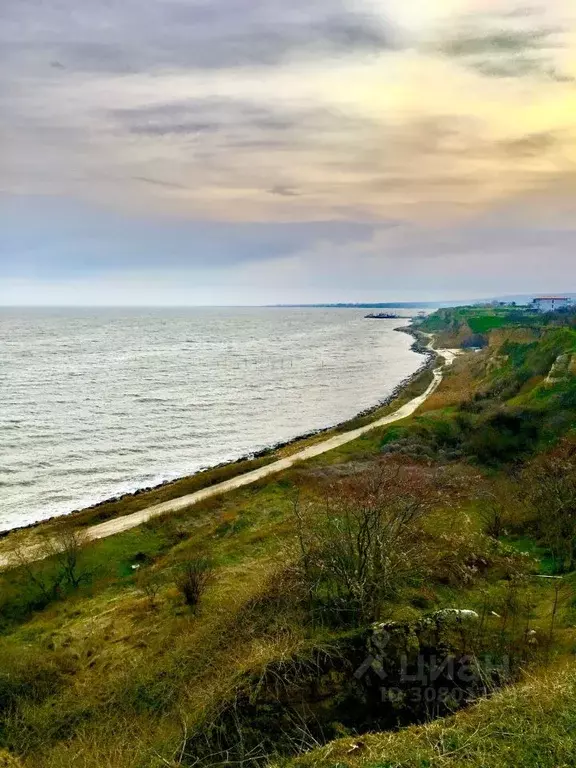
x: 94, y: 403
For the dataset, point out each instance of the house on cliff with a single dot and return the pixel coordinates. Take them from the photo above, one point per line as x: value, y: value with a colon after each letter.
x: 551, y: 303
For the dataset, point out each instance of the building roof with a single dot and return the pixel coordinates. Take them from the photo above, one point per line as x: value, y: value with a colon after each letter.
x: 553, y: 298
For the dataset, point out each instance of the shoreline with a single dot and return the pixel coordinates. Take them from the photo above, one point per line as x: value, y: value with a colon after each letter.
x: 270, y: 452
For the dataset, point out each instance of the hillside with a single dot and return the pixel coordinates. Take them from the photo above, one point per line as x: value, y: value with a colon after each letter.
x: 415, y: 585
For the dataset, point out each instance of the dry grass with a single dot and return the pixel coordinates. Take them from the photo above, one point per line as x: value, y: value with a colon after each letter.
x: 141, y: 676
x: 459, y: 383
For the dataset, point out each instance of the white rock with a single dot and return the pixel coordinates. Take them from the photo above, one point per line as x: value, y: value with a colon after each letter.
x: 458, y: 613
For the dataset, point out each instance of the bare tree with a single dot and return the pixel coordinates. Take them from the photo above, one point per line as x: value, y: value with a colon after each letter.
x: 150, y: 583
x: 46, y: 582
x: 496, y: 507
x: 66, y: 545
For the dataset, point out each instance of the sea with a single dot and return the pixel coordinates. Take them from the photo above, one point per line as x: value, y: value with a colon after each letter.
x: 95, y: 403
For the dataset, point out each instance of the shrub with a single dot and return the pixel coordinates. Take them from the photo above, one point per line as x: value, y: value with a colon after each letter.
x: 150, y: 583
x: 411, y: 446
x: 548, y: 489
x: 567, y: 397
x: 194, y: 577
x: 363, y: 540
x: 506, y: 435
x: 494, y: 512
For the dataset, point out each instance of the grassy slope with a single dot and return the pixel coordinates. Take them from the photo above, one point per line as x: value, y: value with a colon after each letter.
x: 103, y: 677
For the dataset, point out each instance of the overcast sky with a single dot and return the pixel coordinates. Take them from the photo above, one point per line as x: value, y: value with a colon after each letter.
x: 263, y: 151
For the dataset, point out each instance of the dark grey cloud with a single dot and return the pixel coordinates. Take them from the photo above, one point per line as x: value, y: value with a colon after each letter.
x: 532, y: 144
x: 125, y: 36
x: 51, y: 49
x: 230, y: 142
x: 223, y: 140
x: 498, y: 41
x: 213, y: 114
x: 512, y: 45
x: 160, y: 182
x: 284, y: 191
x: 522, y: 66
x: 208, y: 116
x: 269, y: 142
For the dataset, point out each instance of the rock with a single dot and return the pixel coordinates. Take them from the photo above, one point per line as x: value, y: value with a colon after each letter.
x: 457, y: 613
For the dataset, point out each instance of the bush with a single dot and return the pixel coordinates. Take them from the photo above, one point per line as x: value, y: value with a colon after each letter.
x: 363, y: 540
x: 505, y: 436
x: 150, y: 583
x: 410, y: 446
x: 194, y: 577
x: 548, y: 489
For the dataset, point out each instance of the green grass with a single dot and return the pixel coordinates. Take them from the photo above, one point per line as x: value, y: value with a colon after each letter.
x: 455, y: 325
x: 487, y: 323
x: 523, y: 543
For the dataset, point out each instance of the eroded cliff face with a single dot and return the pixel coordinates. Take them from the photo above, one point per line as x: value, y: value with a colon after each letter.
x: 563, y: 368
x: 393, y: 674
x: 499, y: 336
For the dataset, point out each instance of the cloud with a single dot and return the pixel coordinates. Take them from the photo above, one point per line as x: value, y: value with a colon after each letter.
x: 160, y: 182
x: 283, y: 191
x: 208, y: 116
x: 532, y: 144
x: 129, y: 36
x: 510, y: 41
x: 275, y: 111
x: 508, y: 46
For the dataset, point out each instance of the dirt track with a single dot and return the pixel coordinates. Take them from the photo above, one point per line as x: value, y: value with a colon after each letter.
x: 117, y: 525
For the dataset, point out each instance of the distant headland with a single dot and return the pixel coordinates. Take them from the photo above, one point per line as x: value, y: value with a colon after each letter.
x: 375, y: 305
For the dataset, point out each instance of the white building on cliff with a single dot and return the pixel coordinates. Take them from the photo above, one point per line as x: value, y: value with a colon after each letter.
x: 551, y: 303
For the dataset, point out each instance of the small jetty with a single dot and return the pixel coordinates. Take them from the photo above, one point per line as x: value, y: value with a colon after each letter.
x: 383, y: 316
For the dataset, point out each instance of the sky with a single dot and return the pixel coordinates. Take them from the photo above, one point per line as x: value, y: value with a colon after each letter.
x: 192, y: 152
